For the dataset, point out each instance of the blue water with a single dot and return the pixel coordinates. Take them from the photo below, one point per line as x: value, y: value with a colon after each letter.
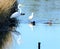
x: 49, y: 36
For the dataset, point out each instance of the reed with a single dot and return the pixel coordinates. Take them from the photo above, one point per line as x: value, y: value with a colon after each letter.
x: 7, y: 24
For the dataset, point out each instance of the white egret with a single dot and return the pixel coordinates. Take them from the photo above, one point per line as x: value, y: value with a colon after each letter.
x: 31, y: 16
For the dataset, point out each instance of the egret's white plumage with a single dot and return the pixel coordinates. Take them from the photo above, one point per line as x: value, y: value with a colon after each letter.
x: 19, y: 7
x: 31, y: 16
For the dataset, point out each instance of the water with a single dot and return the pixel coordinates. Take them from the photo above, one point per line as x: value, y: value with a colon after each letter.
x: 44, y: 10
